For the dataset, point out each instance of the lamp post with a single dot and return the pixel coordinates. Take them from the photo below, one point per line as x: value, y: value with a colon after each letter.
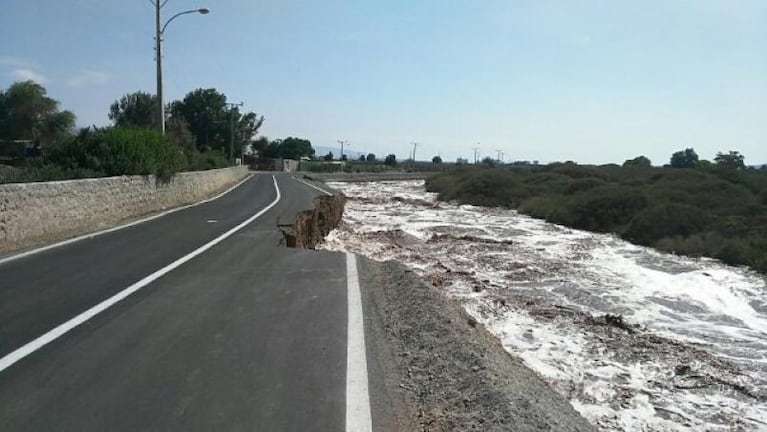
x: 160, y: 31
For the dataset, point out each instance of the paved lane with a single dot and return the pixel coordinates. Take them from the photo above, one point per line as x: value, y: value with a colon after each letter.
x: 246, y: 336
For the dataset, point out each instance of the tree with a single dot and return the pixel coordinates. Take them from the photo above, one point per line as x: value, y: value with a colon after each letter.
x: 371, y: 157
x: 178, y: 133
x: 295, y: 148
x: 328, y: 157
x: 684, y: 159
x: 138, y: 109
x: 361, y: 158
x: 391, y: 160
x: 208, y: 116
x: 731, y: 160
x: 260, y: 145
x: 488, y: 161
x: 27, y: 113
x: 638, y: 162
x: 344, y: 157
x: 436, y: 160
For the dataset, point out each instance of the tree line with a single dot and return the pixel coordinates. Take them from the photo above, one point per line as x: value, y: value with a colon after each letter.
x: 200, y: 129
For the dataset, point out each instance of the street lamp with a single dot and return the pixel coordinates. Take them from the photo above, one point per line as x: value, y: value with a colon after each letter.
x: 160, y: 31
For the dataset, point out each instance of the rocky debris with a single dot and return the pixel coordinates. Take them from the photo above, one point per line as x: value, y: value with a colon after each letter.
x: 456, y: 375
x: 437, y: 238
x: 312, y: 226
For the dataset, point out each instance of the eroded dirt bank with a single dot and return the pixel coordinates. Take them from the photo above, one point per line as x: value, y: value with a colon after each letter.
x: 312, y: 226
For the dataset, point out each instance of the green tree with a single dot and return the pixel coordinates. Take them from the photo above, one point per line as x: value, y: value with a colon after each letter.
x: 361, y: 158
x: 260, y: 145
x: 328, y: 157
x: 371, y: 157
x: 638, y: 162
x: 684, y: 159
x: 178, y: 133
x: 488, y: 161
x: 27, y: 113
x: 436, y: 160
x: 295, y: 148
x: 138, y: 109
x: 732, y: 160
x: 391, y: 160
x: 208, y: 116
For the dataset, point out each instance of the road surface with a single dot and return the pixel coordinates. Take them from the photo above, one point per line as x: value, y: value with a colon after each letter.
x: 243, y: 334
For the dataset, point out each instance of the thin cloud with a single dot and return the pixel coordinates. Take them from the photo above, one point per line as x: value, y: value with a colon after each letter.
x: 89, y: 77
x: 23, y: 74
x: 14, y: 62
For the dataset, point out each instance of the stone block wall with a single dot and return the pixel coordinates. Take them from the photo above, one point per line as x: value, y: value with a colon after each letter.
x: 36, y: 213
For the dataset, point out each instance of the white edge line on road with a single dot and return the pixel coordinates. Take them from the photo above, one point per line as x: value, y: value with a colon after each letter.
x: 313, y: 186
x: 117, y: 228
x: 357, y: 394
x: 57, y: 332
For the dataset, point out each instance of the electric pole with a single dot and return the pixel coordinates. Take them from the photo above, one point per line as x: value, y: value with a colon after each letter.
x: 476, y: 152
x: 231, y: 128
x: 415, y: 146
x: 342, y: 142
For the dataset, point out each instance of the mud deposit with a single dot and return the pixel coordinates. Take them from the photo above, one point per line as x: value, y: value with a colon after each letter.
x: 636, y: 340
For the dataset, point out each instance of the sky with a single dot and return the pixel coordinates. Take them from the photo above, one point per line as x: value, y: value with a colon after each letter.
x: 591, y: 81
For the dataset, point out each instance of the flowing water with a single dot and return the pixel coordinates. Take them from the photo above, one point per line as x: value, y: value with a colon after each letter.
x: 636, y: 339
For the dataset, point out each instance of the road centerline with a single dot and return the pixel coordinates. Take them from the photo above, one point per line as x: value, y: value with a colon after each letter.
x: 358, y: 417
x: 53, y: 334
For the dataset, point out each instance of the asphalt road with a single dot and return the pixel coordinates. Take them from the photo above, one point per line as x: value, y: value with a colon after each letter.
x: 248, y: 335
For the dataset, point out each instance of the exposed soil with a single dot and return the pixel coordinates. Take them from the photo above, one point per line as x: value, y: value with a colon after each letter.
x: 454, y: 373
x: 312, y: 226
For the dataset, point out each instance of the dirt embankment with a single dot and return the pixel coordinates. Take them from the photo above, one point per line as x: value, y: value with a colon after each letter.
x: 454, y: 373
x: 312, y: 226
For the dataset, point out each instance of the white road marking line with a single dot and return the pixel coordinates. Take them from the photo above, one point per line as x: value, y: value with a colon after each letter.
x: 57, y: 332
x: 117, y: 228
x: 313, y: 186
x: 357, y: 396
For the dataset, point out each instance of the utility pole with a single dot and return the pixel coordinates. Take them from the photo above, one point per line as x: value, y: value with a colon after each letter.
x: 476, y: 152
x: 499, y: 155
x: 342, y: 142
x: 158, y: 52
x: 231, y: 128
x: 159, y: 33
x: 415, y: 146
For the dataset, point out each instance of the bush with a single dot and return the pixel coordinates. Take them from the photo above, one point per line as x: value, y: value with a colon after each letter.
x: 606, y: 208
x: 584, y: 184
x: 666, y: 220
x: 116, y: 151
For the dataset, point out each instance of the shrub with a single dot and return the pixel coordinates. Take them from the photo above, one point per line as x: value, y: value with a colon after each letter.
x: 606, y: 208
x: 666, y: 220
x: 584, y: 184
x: 118, y: 151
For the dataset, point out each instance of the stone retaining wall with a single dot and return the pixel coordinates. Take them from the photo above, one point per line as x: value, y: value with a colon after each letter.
x: 35, y: 213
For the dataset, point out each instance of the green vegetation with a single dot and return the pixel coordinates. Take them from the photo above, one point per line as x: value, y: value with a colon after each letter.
x: 715, y: 210
x: 28, y: 114
x: 41, y: 141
